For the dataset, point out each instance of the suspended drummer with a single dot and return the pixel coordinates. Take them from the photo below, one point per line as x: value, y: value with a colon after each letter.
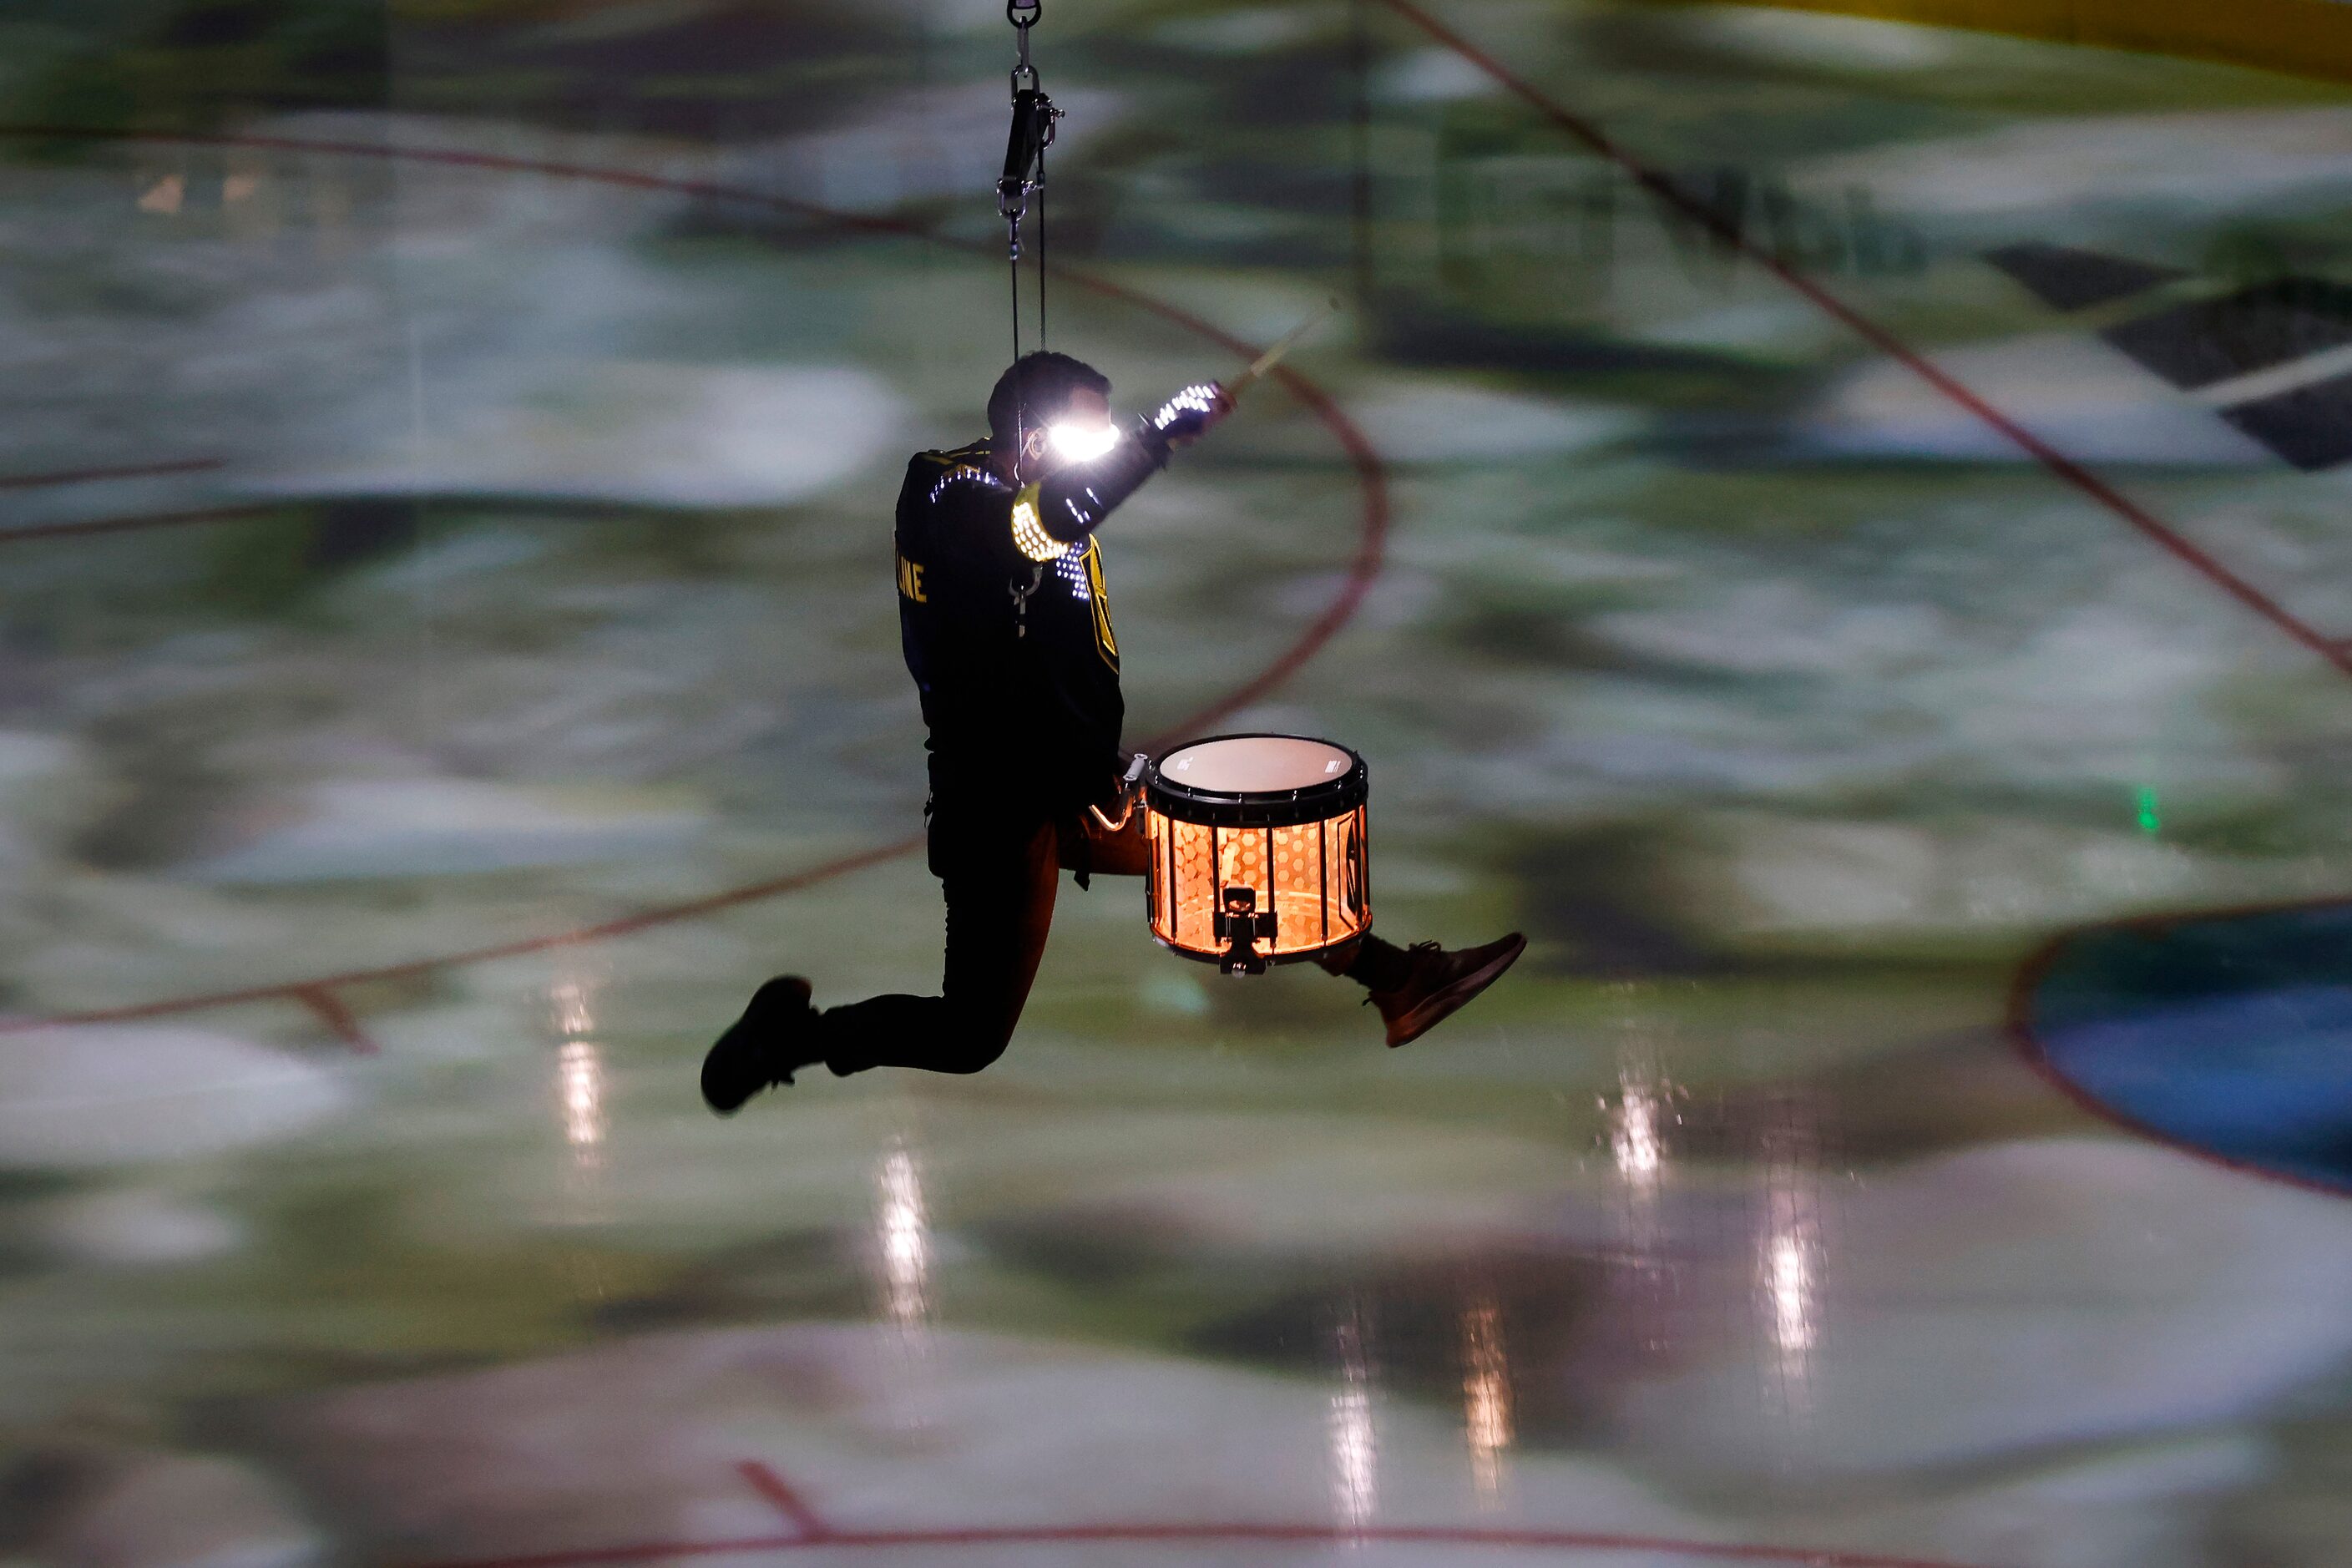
x: 1006, y: 628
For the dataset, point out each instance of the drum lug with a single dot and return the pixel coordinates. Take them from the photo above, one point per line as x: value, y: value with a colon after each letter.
x: 1238, y: 925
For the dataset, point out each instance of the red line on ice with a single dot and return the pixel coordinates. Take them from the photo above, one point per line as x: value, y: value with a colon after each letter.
x: 1301, y: 1536
x: 338, y: 1018
x: 89, y: 475
x: 777, y: 1490
x: 138, y: 523
x: 625, y: 925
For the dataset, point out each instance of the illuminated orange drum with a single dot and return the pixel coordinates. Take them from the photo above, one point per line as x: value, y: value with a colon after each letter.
x: 1258, y: 850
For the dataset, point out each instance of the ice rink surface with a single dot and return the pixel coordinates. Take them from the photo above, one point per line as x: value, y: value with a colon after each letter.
x: 1836, y: 529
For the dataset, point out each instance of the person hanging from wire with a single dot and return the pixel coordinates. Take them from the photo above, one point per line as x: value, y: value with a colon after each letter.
x: 1006, y: 628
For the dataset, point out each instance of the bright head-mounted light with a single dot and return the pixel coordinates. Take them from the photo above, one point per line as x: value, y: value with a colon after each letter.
x: 1083, y: 444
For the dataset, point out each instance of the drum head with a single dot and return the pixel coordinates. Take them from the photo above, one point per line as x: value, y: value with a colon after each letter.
x: 1256, y: 765
x: 1256, y: 781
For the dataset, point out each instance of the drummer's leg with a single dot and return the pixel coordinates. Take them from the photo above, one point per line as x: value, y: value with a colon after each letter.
x: 1374, y: 964
x: 1418, y: 988
x: 999, y: 899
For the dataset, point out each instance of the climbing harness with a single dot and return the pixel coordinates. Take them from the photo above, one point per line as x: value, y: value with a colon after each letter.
x: 1034, y: 115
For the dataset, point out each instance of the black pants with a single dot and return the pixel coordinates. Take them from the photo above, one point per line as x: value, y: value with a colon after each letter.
x: 1000, y: 868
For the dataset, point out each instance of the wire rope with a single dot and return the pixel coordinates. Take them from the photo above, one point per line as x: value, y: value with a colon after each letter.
x: 1041, y: 250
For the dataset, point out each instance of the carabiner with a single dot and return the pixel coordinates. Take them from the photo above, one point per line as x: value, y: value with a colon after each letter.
x: 1036, y: 8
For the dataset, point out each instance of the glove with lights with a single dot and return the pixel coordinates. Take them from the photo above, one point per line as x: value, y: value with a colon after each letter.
x: 1186, y: 415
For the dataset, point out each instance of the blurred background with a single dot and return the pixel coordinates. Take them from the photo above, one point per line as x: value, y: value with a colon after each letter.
x: 1859, y: 577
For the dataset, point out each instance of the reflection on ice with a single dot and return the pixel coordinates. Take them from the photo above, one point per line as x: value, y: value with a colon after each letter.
x: 901, y: 1254
x: 1635, y: 1140
x: 1355, y: 1450
x: 1789, y: 1262
x: 579, y: 1072
x: 1485, y: 1395
x: 570, y: 998
x: 904, y: 1236
x: 1638, y: 1130
x: 1637, y: 1124
x: 580, y: 1078
x: 1645, y: 1094
x: 1789, y: 1275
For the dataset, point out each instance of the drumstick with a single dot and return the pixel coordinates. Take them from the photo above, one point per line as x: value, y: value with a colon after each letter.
x: 1273, y: 356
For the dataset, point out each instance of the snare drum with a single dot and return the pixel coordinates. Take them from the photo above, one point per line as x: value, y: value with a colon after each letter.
x: 1258, y: 850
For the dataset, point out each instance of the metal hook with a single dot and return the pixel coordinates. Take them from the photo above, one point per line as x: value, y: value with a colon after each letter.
x: 1023, y: 14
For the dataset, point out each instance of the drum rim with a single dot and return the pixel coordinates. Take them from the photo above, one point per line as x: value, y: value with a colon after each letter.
x: 1318, y: 802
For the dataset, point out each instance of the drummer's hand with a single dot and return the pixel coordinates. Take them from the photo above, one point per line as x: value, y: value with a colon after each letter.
x: 1187, y: 417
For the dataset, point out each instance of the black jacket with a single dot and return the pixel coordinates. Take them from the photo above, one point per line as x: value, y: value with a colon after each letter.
x: 1005, y: 626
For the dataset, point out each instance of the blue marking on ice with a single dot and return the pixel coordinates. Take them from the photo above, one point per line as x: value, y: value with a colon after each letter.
x: 2232, y: 1035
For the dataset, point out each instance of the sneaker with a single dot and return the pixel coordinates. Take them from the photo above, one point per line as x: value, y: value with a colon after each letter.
x: 1439, y: 982
x: 765, y: 1045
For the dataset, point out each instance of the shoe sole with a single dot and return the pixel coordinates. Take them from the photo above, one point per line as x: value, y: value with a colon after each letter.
x: 1451, y: 1000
